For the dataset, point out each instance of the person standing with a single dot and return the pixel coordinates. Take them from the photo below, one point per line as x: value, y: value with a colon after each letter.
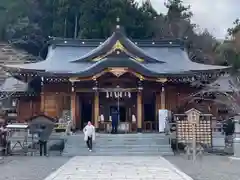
x: 173, y: 139
x: 114, y: 121
x: 89, y: 135
x: 42, y: 140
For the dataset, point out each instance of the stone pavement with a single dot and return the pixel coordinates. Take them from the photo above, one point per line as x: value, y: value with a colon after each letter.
x: 29, y: 168
x: 211, y: 167
x: 118, y: 168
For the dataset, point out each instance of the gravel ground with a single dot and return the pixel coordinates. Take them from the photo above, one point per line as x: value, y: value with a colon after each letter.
x: 29, y: 168
x: 209, y: 168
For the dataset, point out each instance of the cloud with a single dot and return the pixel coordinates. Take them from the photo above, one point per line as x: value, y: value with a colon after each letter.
x: 215, y: 15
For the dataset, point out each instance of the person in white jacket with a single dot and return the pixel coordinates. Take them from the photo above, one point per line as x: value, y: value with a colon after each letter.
x: 89, y: 135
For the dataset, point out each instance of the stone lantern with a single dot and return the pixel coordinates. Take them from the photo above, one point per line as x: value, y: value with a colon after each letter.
x: 236, y: 140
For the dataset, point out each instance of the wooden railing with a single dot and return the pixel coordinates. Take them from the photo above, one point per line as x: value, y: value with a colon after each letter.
x: 150, y: 126
x: 123, y: 127
x: 128, y: 127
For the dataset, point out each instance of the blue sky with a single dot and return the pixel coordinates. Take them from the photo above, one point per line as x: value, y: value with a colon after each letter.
x: 215, y: 15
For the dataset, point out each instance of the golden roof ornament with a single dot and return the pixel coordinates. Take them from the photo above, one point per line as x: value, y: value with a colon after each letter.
x: 118, y: 46
x: 118, y: 71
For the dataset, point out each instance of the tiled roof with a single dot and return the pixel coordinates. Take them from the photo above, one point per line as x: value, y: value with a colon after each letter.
x: 76, y: 57
x: 11, y: 55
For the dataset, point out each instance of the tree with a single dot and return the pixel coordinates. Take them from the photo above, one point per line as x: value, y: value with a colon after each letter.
x: 98, y: 19
x: 229, y: 50
x: 178, y: 18
x: 28, y: 23
x: 234, y: 30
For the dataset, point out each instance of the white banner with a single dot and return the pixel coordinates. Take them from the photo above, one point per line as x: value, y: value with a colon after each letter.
x: 162, y: 117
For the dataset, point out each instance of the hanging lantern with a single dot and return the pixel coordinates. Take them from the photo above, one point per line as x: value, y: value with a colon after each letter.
x: 42, y: 79
x: 72, y: 86
x: 107, y: 94
x: 14, y: 102
x: 129, y: 94
x: 120, y: 94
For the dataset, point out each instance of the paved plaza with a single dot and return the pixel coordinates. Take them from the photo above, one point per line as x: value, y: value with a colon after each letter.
x: 118, y: 168
x: 211, y: 167
x: 48, y: 168
x: 29, y: 168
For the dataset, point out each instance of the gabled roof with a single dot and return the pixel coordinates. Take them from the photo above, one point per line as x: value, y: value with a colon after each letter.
x: 224, y: 84
x: 118, y: 46
x: 82, y: 58
x: 40, y: 116
x: 13, y: 85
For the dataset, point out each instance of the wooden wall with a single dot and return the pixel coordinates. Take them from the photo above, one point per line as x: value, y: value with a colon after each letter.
x: 28, y: 107
x: 55, y: 103
x: 57, y: 97
x: 176, y: 95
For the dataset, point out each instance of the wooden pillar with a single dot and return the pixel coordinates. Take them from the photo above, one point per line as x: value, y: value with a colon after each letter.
x: 96, y: 110
x: 78, y: 113
x: 157, y: 107
x: 157, y: 103
x: 42, y: 102
x: 73, y: 109
x: 139, y: 111
x: 58, y: 104
x: 32, y: 108
x: 163, y: 98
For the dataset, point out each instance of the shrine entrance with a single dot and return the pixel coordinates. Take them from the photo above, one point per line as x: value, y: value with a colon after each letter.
x: 122, y: 113
x: 124, y: 105
x: 85, y: 109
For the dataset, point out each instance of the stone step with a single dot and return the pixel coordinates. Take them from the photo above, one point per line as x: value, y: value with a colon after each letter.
x: 132, y: 150
x: 122, y: 145
x: 87, y: 153
x: 119, y: 145
x: 143, y: 135
x: 121, y: 150
x: 130, y: 143
x: 129, y: 140
x: 124, y: 141
x: 131, y: 137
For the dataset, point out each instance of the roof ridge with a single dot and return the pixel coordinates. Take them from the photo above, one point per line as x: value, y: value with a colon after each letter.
x: 96, y: 42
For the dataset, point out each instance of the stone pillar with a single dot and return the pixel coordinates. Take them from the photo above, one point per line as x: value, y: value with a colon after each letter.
x: 163, y: 98
x: 96, y: 110
x: 73, y: 109
x: 236, y: 140
x: 139, y: 112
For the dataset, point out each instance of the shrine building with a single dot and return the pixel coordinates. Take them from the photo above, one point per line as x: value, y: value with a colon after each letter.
x: 89, y: 78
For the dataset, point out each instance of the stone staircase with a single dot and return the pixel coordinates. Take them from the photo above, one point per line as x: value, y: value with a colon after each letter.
x: 119, y: 145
